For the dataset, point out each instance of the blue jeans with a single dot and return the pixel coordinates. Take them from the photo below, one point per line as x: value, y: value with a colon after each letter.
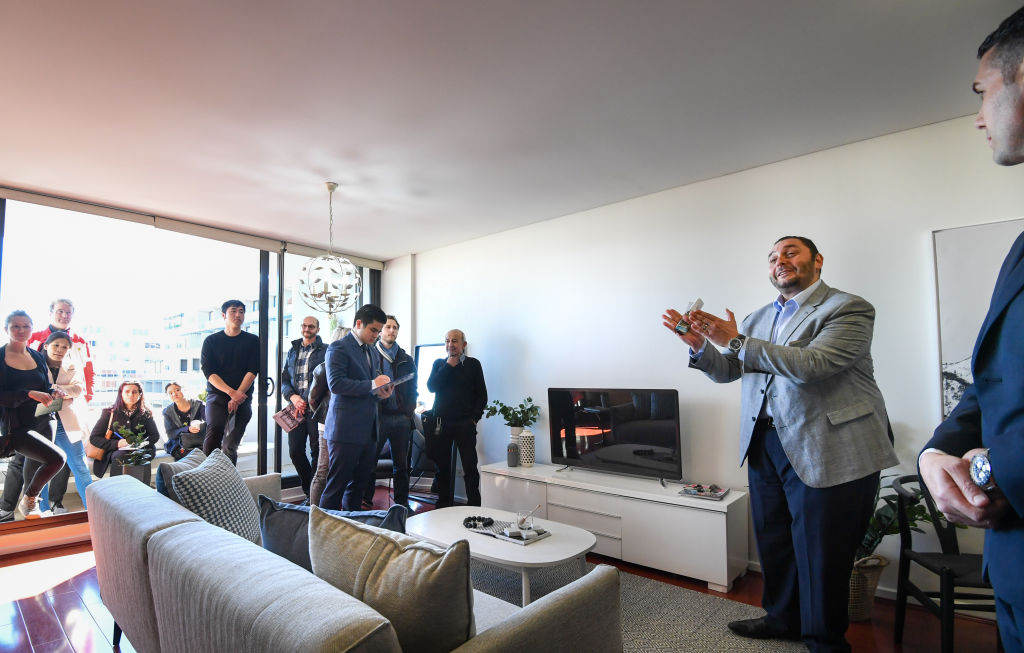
x: 76, y: 461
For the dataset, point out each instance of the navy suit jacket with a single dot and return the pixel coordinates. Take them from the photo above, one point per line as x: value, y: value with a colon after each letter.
x: 349, y: 379
x: 991, y: 414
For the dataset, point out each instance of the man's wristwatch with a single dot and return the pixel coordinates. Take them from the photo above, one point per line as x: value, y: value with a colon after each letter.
x: 736, y: 344
x: 981, y: 471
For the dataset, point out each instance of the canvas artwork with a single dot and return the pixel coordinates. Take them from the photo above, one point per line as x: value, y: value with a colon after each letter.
x: 967, y: 261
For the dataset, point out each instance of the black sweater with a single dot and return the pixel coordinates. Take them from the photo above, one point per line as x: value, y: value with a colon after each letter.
x: 230, y: 358
x: 459, y: 392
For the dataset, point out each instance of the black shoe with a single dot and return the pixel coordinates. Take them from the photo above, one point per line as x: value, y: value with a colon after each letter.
x: 760, y: 629
x: 6, y: 515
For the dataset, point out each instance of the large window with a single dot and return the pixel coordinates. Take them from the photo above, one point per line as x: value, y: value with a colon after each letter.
x: 145, y: 299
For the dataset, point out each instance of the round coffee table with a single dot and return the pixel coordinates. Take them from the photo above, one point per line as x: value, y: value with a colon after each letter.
x: 444, y: 527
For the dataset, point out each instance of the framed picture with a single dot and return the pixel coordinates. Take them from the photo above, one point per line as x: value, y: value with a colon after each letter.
x: 967, y: 261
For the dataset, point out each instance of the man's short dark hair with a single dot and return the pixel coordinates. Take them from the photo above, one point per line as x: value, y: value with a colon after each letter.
x: 392, y: 317
x: 806, y: 241
x: 230, y: 303
x: 370, y: 313
x: 1007, y: 45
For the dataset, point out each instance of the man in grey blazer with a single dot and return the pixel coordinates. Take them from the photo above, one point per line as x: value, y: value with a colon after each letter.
x: 814, y: 433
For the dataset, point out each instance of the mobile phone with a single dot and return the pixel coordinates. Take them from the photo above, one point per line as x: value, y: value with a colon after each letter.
x: 695, y: 305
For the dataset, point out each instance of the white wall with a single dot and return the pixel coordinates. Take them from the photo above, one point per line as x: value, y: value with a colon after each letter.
x: 576, y: 301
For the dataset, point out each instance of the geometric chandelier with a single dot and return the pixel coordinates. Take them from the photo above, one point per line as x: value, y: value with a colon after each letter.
x: 329, y: 284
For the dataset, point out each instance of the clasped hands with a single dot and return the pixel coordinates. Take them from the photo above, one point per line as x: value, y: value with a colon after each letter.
x: 949, y: 481
x: 703, y: 326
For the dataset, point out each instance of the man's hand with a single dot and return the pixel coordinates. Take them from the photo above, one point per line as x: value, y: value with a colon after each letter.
x: 233, y: 405
x: 238, y: 396
x: 298, y: 402
x: 193, y: 428
x: 714, y: 328
x: 381, y: 392
x: 671, y: 318
x: 453, y: 360
x: 949, y: 480
x: 123, y: 444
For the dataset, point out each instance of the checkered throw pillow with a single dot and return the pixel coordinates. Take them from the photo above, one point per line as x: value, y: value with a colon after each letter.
x: 216, y: 492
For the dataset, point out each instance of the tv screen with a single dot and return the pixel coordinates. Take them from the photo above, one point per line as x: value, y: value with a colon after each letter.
x: 624, y: 431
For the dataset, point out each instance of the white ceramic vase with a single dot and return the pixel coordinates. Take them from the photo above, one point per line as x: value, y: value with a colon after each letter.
x: 526, y: 448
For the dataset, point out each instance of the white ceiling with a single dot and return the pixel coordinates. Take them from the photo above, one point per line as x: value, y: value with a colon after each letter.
x: 444, y: 120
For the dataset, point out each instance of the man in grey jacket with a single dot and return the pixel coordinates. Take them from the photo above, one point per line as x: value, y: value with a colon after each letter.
x: 814, y: 433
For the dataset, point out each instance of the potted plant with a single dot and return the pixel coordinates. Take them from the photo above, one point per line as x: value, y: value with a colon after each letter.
x: 867, y: 566
x: 517, y: 418
x: 137, y: 462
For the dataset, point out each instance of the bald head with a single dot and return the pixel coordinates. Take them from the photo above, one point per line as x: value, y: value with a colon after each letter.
x: 455, y: 343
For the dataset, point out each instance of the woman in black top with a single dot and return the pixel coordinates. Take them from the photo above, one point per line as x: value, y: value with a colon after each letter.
x: 129, y: 410
x: 24, y: 384
x: 183, y: 422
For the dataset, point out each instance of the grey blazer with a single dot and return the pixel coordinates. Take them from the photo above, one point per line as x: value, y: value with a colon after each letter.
x: 820, y: 385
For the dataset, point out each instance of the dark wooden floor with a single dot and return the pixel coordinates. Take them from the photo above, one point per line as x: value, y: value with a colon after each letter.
x: 53, y: 604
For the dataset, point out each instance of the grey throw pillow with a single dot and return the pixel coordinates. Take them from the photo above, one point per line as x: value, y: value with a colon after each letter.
x: 166, y: 471
x: 285, y: 527
x: 424, y: 590
x: 216, y: 492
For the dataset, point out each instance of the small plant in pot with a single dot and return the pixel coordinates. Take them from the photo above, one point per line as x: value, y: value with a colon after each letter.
x: 521, y: 448
x: 867, y: 566
x: 140, y: 455
x: 519, y: 416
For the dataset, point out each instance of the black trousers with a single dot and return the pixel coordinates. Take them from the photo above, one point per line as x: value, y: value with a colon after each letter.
x: 462, y: 434
x: 397, y: 429
x: 806, y: 540
x: 222, y: 433
x: 305, y: 432
x: 38, y: 460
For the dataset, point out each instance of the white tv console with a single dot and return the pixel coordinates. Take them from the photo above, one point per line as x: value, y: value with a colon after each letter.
x: 634, y: 519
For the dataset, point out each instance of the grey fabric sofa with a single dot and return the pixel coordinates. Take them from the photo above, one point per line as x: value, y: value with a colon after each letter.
x: 176, y: 583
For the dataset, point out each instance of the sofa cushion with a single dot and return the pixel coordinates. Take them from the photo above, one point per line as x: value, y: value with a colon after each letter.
x: 166, y: 471
x: 285, y: 527
x: 216, y: 492
x: 423, y: 590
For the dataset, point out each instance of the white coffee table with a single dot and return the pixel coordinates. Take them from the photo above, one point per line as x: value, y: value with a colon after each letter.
x: 444, y: 527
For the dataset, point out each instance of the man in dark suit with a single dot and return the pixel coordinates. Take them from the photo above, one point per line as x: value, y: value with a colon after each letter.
x: 814, y: 433
x: 356, y: 385
x: 974, y: 463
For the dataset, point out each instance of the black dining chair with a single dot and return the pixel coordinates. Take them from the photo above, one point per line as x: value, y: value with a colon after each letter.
x: 954, y: 569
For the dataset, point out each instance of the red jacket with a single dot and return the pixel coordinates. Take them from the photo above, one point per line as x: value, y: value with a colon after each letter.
x: 79, y: 353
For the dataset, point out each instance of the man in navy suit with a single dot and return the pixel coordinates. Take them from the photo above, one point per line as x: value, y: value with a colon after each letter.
x: 355, y: 381
x: 986, y: 429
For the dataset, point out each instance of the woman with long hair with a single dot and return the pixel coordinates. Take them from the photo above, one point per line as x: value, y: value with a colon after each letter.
x: 319, y: 398
x: 24, y: 385
x: 71, y: 381
x: 128, y: 412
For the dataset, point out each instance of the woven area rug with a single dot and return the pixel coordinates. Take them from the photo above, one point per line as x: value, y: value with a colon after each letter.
x: 655, y: 616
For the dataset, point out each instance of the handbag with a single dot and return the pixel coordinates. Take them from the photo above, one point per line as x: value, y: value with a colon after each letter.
x: 288, y: 418
x: 91, y: 450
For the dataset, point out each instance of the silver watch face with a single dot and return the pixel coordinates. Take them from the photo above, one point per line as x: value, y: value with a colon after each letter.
x: 736, y: 344
x: 981, y: 470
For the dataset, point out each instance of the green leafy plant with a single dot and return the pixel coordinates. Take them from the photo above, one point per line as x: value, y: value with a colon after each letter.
x: 137, y: 439
x: 885, y: 521
x: 522, y: 415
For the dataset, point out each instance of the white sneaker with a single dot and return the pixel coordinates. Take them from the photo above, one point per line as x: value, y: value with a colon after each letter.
x: 59, y: 509
x: 30, y: 507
